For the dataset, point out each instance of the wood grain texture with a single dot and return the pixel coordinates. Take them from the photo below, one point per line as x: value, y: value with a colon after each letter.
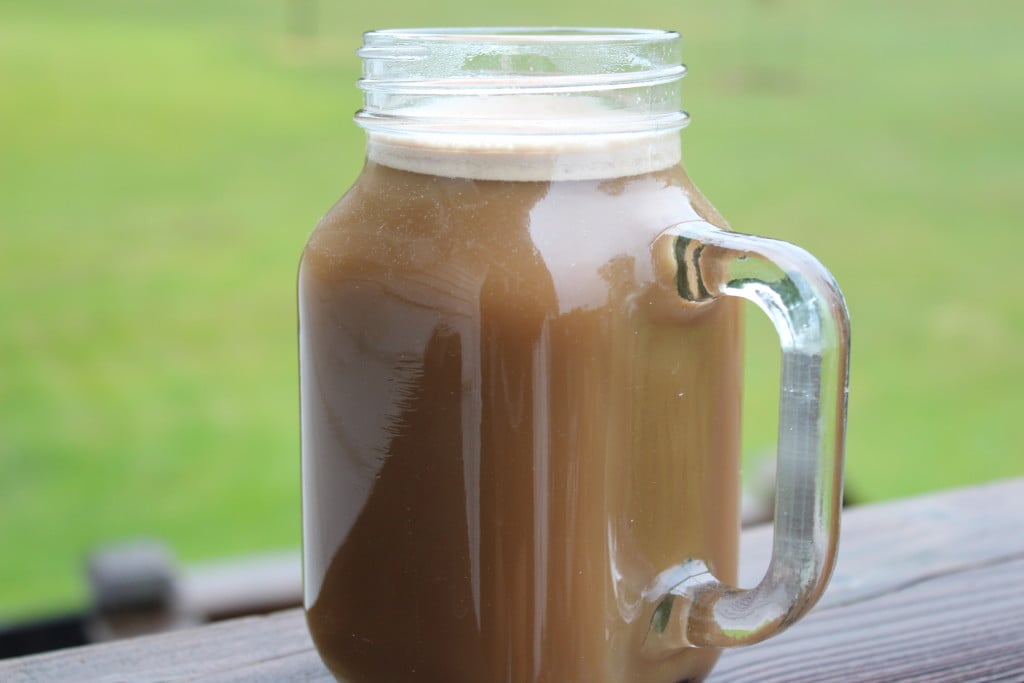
x: 926, y: 589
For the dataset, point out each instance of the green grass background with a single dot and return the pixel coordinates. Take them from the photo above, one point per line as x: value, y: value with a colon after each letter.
x: 161, y: 163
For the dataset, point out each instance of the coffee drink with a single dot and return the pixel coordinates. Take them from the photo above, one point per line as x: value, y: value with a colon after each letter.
x: 512, y: 426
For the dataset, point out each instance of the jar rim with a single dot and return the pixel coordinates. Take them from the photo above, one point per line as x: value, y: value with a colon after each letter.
x: 527, y: 34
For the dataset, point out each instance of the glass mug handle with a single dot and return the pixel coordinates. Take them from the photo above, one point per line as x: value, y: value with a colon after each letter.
x: 689, y: 606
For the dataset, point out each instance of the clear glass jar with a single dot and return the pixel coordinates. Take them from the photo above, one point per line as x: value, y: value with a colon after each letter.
x: 520, y: 373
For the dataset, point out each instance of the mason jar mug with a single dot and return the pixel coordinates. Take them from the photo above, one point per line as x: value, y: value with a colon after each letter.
x: 520, y: 350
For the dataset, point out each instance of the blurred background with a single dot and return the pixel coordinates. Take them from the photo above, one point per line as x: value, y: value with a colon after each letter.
x: 162, y: 161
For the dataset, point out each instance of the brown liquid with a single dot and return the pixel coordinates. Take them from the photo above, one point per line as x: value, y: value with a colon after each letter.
x: 509, y: 429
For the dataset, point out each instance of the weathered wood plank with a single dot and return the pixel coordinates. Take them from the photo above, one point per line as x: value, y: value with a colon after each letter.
x: 209, y: 653
x: 885, y: 545
x: 926, y: 589
x: 967, y: 625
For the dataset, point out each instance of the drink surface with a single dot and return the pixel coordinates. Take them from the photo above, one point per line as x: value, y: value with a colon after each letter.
x: 510, y: 426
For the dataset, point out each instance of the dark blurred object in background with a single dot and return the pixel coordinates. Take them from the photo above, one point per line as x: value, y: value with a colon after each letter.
x: 137, y: 589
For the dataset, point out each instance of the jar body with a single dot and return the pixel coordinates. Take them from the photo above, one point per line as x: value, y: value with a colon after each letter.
x: 511, y: 429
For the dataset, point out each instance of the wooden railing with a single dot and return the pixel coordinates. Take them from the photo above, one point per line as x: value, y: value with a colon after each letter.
x: 926, y: 589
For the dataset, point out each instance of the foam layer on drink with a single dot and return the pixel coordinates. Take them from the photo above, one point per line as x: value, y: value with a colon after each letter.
x: 523, y: 138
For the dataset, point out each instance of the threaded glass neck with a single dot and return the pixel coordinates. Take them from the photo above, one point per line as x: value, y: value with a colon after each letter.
x: 523, y: 90
x: 522, y: 80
